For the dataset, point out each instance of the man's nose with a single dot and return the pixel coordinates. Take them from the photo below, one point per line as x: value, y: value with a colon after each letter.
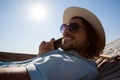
x: 66, y: 29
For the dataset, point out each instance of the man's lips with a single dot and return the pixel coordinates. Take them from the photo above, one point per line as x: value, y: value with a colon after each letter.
x: 68, y: 38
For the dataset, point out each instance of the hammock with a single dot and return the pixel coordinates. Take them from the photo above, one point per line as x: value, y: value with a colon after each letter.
x: 108, y: 67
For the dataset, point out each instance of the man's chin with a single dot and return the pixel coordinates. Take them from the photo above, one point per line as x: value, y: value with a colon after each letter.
x: 66, y: 48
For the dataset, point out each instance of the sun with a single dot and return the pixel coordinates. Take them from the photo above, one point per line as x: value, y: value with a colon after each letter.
x: 37, y: 11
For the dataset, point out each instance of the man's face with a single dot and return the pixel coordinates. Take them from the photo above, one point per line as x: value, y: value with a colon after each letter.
x: 75, y: 40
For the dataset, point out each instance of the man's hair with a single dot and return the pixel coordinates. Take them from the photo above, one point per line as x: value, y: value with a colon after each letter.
x: 93, y: 49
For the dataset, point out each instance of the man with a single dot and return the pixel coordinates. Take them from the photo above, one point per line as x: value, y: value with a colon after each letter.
x: 83, y: 39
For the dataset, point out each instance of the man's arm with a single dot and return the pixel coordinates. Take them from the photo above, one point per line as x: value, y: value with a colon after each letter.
x: 14, y: 73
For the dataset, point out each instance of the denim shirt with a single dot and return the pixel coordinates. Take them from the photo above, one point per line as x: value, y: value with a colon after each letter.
x: 61, y: 65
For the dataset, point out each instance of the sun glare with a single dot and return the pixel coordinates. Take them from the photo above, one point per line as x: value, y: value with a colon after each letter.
x: 37, y: 11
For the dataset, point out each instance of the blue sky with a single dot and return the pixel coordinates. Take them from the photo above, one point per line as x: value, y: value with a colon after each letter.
x: 23, y: 26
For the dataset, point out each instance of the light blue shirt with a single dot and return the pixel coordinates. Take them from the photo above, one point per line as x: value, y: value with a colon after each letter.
x: 59, y: 65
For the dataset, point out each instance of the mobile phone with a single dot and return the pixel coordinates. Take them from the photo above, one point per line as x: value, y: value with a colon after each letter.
x: 57, y: 43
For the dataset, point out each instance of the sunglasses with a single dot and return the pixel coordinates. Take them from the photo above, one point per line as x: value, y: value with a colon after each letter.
x: 72, y: 27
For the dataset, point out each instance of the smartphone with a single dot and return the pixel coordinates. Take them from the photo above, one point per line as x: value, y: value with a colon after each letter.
x: 57, y: 43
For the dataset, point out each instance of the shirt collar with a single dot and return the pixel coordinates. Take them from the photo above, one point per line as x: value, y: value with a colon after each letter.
x: 73, y: 53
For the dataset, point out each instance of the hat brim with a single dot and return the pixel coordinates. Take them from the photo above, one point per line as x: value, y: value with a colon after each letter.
x: 88, y: 16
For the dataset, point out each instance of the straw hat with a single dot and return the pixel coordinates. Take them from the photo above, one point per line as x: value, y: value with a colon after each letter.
x: 88, y: 16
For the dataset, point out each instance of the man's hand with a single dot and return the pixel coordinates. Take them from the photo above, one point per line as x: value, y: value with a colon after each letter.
x: 46, y: 47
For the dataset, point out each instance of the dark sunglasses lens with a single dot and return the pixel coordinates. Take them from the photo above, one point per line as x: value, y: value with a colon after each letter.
x: 74, y: 27
x: 62, y: 28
